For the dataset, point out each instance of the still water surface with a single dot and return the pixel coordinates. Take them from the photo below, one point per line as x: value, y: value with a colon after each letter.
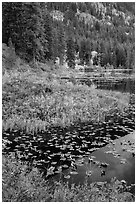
x: 115, y: 160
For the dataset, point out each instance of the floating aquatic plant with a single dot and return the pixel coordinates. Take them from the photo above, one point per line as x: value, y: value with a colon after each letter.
x: 67, y: 176
x: 105, y: 165
x: 89, y: 173
x: 73, y: 172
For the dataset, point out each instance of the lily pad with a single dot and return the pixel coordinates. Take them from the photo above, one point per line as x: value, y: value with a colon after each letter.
x: 67, y: 176
x: 63, y: 159
x: 65, y: 166
x: 89, y: 173
x: 73, y: 172
x: 105, y: 165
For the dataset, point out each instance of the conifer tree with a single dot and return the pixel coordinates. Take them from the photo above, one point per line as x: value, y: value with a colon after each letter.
x: 34, y: 32
x: 71, y: 52
x: 47, y: 23
x: 25, y: 28
x: 61, y: 42
x: 11, y: 28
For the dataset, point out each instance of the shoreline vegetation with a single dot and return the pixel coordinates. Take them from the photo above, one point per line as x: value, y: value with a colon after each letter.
x: 33, y: 101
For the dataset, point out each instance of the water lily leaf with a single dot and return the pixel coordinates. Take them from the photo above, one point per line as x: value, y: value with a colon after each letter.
x: 34, y: 156
x: 46, y: 162
x: 103, y: 173
x: 79, y: 164
x: 104, y: 165
x: 97, y: 162
x: 67, y: 177
x: 60, y: 168
x: 8, y: 148
x: 57, y: 146
x: 80, y: 156
x: 116, y: 155
x: 74, y: 172
x: 58, y: 153
x: 65, y: 166
x: 92, y: 157
x: 30, y: 154
x: 52, y: 155
x: 58, y: 171
x: 62, y: 159
x: 50, y: 173
x: 89, y: 173
x: 122, y: 162
x: 17, y: 146
x: 109, y: 152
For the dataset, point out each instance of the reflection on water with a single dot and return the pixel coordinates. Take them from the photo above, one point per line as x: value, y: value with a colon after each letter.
x: 123, y: 85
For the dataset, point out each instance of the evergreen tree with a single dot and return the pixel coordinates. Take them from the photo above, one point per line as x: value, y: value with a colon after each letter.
x: 71, y: 52
x: 48, y: 23
x: 25, y: 29
x: 85, y: 51
x: 34, y: 35
x: 55, y: 43
x: 11, y: 28
x: 61, y: 42
x: 120, y: 55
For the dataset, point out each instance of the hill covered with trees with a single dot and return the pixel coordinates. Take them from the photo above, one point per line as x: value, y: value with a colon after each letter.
x: 46, y: 31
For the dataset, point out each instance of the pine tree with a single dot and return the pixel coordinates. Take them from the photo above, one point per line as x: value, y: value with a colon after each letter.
x: 24, y: 26
x: 11, y: 28
x: 33, y: 35
x: 82, y: 52
x: 47, y: 23
x: 55, y: 43
x: 71, y: 52
x: 61, y: 42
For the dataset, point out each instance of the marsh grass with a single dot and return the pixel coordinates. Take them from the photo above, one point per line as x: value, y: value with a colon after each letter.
x: 33, y: 101
x: 24, y: 184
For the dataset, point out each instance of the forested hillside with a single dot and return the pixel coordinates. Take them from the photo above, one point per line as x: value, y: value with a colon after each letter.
x: 69, y: 30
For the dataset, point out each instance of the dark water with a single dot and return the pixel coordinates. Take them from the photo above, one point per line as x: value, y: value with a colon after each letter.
x: 115, y: 160
x: 57, y: 151
x: 123, y: 85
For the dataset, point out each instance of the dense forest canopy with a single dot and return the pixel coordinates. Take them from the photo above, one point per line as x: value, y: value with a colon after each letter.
x: 49, y: 30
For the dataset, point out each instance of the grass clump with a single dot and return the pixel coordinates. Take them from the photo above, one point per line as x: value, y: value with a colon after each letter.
x: 24, y: 184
